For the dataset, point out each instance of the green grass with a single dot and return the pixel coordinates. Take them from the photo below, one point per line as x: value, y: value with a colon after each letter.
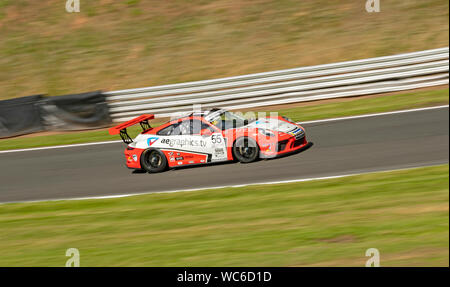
x: 63, y: 138
x: 404, y: 214
x: 114, y: 45
x: 354, y: 106
x: 361, y: 106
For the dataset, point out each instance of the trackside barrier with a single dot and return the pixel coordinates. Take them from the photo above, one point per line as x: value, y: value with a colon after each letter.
x: 353, y: 78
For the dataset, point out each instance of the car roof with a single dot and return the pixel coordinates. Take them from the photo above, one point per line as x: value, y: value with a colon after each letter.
x: 207, y: 114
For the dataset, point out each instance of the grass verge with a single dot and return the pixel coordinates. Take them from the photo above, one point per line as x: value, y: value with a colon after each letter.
x: 368, y: 105
x: 348, y: 107
x: 404, y: 214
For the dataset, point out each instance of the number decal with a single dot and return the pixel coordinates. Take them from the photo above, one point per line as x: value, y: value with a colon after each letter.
x: 216, y: 139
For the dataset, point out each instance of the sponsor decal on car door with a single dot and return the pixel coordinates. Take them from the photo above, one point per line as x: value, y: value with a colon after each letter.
x: 213, y: 145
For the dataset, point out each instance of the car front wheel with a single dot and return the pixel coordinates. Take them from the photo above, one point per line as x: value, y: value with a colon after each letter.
x: 245, y: 150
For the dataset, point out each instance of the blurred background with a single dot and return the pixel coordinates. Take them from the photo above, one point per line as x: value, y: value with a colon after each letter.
x: 113, y: 45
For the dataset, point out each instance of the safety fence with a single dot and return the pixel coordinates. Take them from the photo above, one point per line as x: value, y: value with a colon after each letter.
x: 344, y: 79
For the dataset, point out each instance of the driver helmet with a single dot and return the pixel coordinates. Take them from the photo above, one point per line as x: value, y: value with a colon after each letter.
x: 216, y: 120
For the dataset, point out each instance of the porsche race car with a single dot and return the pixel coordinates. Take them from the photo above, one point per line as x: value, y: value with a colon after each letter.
x: 204, y: 137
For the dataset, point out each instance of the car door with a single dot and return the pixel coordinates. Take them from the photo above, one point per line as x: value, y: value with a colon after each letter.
x: 192, y: 141
x: 216, y: 143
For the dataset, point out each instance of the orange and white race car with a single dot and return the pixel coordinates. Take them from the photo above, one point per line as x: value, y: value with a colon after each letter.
x: 204, y: 137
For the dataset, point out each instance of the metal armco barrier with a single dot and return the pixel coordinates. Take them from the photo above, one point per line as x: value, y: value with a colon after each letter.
x: 345, y: 79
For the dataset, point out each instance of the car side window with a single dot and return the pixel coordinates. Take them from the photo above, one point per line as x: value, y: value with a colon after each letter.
x: 182, y: 129
x: 167, y: 131
x: 197, y: 127
x: 186, y: 127
x: 208, y: 127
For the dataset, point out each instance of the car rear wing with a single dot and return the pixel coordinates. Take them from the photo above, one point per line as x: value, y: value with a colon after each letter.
x: 122, y: 128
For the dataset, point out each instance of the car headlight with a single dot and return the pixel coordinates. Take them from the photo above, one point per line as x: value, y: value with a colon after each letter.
x: 266, y: 133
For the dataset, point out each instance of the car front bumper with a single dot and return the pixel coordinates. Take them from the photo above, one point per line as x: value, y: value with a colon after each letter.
x: 286, y: 147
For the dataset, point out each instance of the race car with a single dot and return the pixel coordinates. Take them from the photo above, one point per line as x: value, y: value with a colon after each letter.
x: 204, y: 137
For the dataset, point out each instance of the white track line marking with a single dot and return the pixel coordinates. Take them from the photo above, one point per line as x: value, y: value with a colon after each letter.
x: 60, y: 146
x: 374, y: 115
x: 217, y: 187
x: 303, y: 123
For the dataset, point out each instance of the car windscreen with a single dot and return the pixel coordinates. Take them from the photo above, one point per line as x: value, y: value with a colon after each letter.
x: 227, y: 120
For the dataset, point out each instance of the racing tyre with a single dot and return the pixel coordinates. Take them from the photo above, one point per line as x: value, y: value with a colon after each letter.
x: 245, y: 150
x: 153, y: 160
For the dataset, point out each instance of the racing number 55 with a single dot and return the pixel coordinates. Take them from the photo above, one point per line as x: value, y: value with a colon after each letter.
x: 216, y: 139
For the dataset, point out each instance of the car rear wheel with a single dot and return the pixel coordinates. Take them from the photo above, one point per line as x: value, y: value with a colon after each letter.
x: 245, y: 150
x: 153, y: 160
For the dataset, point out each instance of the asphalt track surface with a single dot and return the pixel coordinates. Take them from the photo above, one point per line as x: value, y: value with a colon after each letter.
x: 349, y: 146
